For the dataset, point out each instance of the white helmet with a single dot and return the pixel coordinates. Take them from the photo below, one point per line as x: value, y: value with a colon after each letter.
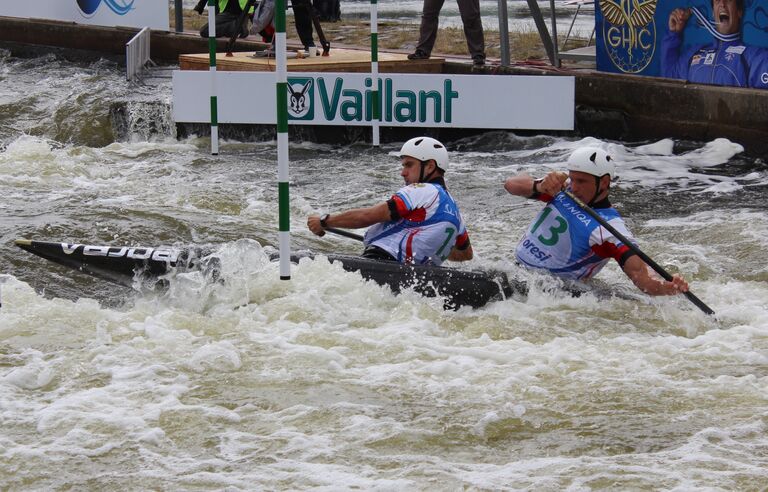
x: 592, y: 160
x: 424, y: 149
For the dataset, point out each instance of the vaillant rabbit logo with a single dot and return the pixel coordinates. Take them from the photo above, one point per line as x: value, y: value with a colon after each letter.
x: 120, y: 7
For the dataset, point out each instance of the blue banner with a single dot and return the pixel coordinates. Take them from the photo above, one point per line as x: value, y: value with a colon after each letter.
x: 720, y: 42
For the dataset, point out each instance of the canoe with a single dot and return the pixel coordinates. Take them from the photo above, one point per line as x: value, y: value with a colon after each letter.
x: 124, y: 265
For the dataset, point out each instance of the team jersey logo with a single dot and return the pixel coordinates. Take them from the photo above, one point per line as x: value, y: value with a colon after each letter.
x: 120, y: 7
x: 630, y: 33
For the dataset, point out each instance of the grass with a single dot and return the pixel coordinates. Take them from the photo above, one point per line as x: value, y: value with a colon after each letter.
x: 524, y: 45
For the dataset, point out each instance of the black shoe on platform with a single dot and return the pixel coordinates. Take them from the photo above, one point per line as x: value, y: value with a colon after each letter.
x: 418, y: 55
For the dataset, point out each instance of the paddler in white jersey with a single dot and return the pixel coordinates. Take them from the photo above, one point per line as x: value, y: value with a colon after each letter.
x: 420, y: 224
x: 564, y: 241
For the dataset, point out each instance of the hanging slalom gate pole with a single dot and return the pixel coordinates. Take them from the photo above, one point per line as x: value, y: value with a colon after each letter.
x: 281, y: 92
x: 376, y: 113
x: 212, y: 63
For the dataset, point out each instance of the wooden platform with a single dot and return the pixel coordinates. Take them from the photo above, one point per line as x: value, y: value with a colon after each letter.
x: 339, y: 60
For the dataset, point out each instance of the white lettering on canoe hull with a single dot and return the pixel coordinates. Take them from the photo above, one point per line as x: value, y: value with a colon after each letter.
x: 138, y: 253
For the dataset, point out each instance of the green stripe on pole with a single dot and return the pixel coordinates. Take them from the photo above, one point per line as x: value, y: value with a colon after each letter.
x: 374, y: 47
x: 283, y: 199
x: 280, y: 16
x: 282, y: 107
x: 212, y: 52
x: 376, y: 113
x: 214, y: 111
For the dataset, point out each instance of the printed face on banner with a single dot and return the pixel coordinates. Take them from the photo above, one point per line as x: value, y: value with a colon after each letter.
x: 716, y: 42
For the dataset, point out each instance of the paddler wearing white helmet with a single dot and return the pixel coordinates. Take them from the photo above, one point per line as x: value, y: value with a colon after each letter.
x: 419, y: 224
x: 565, y: 241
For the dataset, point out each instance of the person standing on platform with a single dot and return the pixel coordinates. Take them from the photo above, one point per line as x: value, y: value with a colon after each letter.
x: 227, y: 18
x: 302, y: 15
x: 473, y: 29
x: 263, y: 23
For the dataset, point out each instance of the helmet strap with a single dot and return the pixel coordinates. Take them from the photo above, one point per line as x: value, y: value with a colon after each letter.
x: 597, y: 191
x: 421, y: 172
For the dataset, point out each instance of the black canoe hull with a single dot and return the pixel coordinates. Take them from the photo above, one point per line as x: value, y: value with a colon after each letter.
x: 123, y: 265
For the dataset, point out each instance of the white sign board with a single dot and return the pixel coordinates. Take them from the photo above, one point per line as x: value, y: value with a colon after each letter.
x: 459, y: 101
x: 129, y: 13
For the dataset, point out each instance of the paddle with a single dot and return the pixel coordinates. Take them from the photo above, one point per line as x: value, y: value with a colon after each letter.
x: 637, y: 251
x: 342, y: 232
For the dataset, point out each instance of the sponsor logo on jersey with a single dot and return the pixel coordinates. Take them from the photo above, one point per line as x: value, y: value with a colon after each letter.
x: 537, y: 253
x: 575, y: 210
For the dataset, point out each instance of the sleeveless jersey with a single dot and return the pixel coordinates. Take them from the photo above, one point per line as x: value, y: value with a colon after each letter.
x: 568, y: 242
x: 427, y: 230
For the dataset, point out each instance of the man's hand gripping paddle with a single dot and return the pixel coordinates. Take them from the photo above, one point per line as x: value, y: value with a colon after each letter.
x: 658, y: 269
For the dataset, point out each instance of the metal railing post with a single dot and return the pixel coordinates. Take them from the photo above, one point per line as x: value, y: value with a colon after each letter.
x: 556, y: 55
x: 543, y: 32
x: 179, y: 11
x: 504, y: 33
x: 137, y: 53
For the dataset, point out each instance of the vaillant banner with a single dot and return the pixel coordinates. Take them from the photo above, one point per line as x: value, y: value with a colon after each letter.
x: 720, y: 42
x: 130, y: 13
x: 460, y: 101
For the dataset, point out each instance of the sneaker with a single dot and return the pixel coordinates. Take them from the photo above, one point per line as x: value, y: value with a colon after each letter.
x: 478, y: 61
x: 418, y: 55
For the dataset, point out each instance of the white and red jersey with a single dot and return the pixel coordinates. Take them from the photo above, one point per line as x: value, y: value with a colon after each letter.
x: 427, y: 226
x: 568, y: 243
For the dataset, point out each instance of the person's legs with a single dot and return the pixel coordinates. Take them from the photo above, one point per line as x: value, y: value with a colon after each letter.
x: 429, y: 21
x: 473, y: 28
x: 303, y: 18
x: 226, y: 24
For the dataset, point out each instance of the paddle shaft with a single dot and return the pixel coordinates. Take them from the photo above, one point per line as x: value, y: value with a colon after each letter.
x: 691, y: 297
x: 342, y: 232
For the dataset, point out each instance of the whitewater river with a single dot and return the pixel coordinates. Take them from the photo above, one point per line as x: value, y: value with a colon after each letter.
x: 328, y: 382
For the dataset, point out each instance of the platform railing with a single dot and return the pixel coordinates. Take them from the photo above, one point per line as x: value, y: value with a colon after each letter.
x: 137, y: 54
x: 548, y: 36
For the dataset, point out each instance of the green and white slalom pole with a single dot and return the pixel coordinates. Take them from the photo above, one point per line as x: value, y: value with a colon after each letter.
x: 281, y: 88
x: 212, y: 64
x: 376, y: 108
